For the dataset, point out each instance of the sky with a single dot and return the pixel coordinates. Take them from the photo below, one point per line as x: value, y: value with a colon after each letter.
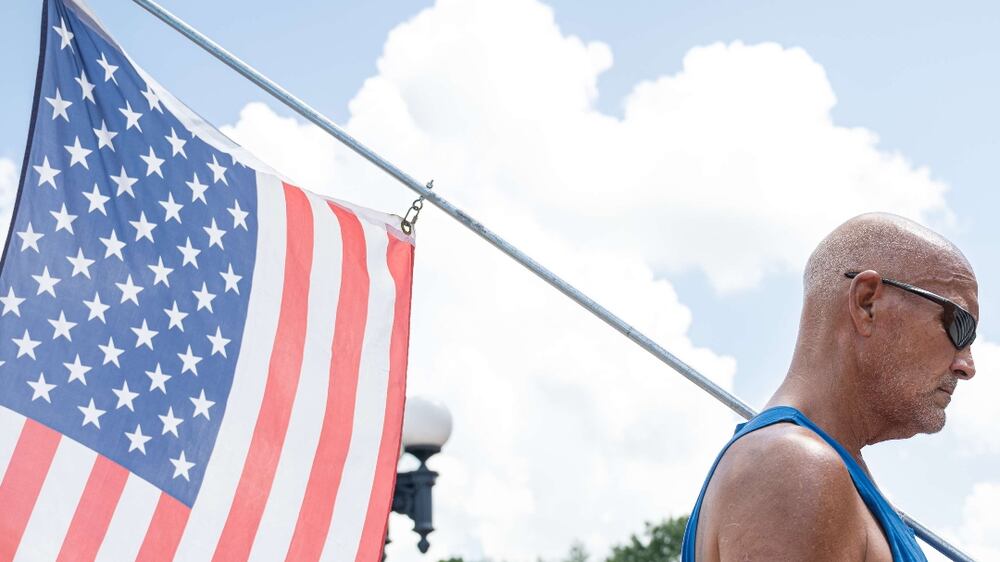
x: 677, y: 161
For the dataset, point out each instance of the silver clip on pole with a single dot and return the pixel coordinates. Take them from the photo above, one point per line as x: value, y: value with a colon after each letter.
x: 323, y: 122
x: 408, y: 223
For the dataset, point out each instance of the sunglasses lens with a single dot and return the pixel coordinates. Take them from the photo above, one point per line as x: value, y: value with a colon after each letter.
x: 962, y: 329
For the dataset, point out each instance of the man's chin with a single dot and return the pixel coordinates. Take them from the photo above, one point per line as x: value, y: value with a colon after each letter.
x: 932, y: 420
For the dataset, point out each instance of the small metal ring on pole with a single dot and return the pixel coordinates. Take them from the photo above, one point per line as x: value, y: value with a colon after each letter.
x: 407, y: 223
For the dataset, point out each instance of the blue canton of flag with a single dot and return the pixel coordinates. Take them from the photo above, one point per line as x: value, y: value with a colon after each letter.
x: 125, y: 278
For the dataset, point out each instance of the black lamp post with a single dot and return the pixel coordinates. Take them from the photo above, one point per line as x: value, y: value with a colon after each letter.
x: 426, y: 428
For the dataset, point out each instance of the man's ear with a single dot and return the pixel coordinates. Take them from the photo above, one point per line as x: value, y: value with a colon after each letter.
x: 866, y: 287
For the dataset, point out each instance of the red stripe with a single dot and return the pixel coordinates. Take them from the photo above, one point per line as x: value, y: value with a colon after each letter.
x: 400, y: 258
x: 36, y: 446
x: 93, y: 513
x: 279, y: 390
x: 335, y: 437
x: 165, y: 530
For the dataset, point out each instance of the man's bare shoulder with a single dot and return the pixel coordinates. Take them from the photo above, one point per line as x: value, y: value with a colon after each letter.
x: 786, y: 450
x: 781, y: 492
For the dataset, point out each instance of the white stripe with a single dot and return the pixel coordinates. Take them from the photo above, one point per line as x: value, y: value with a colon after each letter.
x: 282, y: 510
x: 57, y: 501
x: 11, y: 423
x: 373, y: 377
x: 378, y: 219
x: 130, y: 521
x: 211, y: 508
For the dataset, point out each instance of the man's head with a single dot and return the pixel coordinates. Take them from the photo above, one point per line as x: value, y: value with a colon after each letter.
x: 892, y: 345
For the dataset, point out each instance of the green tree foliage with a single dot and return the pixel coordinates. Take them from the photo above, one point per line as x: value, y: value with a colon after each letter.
x: 660, y: 543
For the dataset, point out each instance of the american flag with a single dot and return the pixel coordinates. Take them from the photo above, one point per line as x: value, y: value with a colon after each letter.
x: 197, y: 359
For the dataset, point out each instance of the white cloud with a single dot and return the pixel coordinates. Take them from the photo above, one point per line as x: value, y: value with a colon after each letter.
x: 733, y: 166
x: 981, y: 521
x: 739, y: 149
x: 551, y: 408
x: 973, y: 417
x: 979, y: 533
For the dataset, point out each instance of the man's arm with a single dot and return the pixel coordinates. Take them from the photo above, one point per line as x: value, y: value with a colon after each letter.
x: 786, y: 495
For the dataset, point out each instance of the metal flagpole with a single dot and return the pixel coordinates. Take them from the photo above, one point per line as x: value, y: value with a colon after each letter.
x: 472, y: 224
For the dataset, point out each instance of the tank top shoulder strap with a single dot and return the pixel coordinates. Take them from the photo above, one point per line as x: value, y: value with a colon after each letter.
x: 901, y: 540
x: 768, y: 417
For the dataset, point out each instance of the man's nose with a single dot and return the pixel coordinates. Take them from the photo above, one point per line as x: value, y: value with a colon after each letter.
x: 963, y: 366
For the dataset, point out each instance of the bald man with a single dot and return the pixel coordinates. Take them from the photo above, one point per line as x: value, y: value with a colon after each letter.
x: 889, y: 313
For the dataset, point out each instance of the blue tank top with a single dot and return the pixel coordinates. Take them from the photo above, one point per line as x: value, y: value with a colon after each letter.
x: 901, y: 540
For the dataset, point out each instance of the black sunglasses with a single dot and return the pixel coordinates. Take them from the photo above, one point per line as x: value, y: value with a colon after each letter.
x: 958, y: 322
